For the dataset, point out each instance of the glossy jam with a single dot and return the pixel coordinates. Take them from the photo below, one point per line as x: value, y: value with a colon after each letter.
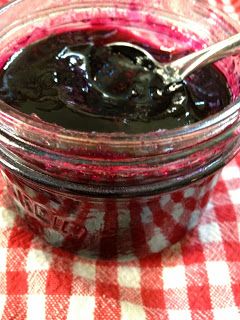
x: 74, y: 81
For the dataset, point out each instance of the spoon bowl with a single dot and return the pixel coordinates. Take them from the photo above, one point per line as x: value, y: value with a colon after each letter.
x: 179, y: 69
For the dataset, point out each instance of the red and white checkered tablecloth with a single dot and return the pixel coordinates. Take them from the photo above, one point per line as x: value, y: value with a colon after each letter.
x: 196, y: 279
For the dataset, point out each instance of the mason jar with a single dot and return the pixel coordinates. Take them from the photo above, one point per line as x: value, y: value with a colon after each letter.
x: 116, y: 195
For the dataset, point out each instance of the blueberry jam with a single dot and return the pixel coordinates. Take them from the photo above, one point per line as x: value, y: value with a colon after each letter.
x: 74, y: 80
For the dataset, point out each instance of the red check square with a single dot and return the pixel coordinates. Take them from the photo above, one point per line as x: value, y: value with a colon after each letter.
x: 199, y: 297
x: 153, y: 298
x: 17, y: 282
x: 58, y: 283
x: 20, y: 238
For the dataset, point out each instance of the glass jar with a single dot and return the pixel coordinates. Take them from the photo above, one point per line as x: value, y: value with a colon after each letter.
x: 116, y: 195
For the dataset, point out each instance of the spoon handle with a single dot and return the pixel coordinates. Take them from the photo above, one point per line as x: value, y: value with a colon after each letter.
x: 217, y: 51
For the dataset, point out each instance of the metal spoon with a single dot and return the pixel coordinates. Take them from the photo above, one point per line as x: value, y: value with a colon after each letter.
x: 179, y: 69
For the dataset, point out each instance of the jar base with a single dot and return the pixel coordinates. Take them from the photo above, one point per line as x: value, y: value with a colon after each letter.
x: 109, y: 228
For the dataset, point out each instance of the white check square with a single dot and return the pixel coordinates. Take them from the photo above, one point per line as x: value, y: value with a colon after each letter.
x: 129, y: 277
x: 38, y: 260
x: 230, y: 172
x: 3, y: 299
x: 84, y: 270
x: 164, y: 200
x: 3, y: 259
x: 7, y: 218
x: 174, y: 277
x: 130, y: 311
x: 234, y: 196
x: 81, y: 307
x: 218, y: 273
x: 158, y: 241
x: 194, y: 219
x: 36, y: 307
x: 189, y: 192
x: 210, y: 233
x: 177, y: 211
x: 179, y: 315
x: 227, y: 313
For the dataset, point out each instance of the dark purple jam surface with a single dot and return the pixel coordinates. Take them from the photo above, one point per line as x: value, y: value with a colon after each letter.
x: 74, y: 81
